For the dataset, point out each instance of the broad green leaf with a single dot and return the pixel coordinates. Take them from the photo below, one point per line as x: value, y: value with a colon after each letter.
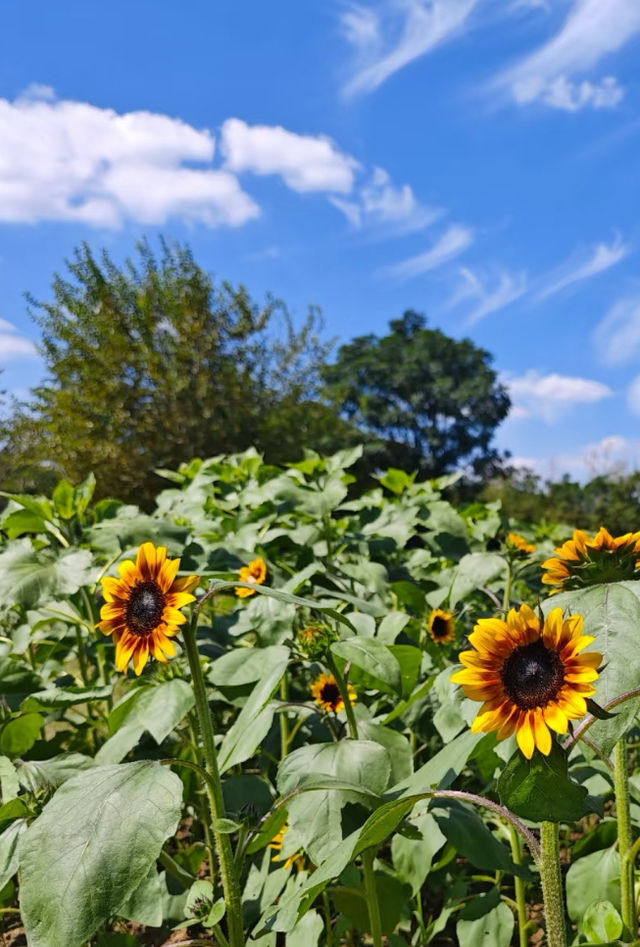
x: 29, y: 577
x: 9, y: 841
x: 18, y: 736
x: 474, y: 570
x: 144, y: 904
x: 410, y: 660
x: 471, y: 838
x: 307, y: 931
x: 612, y: 615
x: 412, y: 857
x: 247, y: 733
x: 493, y: 929
x: 245, y: 665
x: 540, y: 789
x: 397, y: 746
x: 372, y: 664
x: 392, y: 897
x: 83, y: 492
x: 156, y: 710
x: 602, y: 923
x: 9, y: 785
x: 17, y: 681
x: 592, y: 878
x: 63, y: 499
x: 65, y: 697
x: 441, y: 769
x: 36, y: 775
x: 85, y: 854
x: 23, y: 521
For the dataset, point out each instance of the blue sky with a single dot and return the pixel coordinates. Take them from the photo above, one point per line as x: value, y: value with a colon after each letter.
x: 476, y: 160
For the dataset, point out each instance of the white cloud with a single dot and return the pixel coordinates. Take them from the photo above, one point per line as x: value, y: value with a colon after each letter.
x: 610, y: 456
x: 452, y: 242
x: 592, y: 30
x: 71, y: 161
x: 411, y: 28
x: 13, y: 345
x: 617, y: 335
x: 305, y: 162
x: 551, y: 396
x: 390, y: 209
x: 600, y: 258
x: 508, y: 288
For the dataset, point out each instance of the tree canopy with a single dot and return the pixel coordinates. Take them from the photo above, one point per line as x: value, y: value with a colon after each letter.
x: 431, y: 402
x: 153, y: 363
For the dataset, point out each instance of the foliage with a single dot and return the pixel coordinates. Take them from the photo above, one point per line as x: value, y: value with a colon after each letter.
x: 150, y: 363
x: 103, y: 823
x: 433, y: 403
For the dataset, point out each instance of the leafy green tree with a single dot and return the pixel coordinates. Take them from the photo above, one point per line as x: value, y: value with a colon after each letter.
x: 426, y: 401
x: 151, y: 364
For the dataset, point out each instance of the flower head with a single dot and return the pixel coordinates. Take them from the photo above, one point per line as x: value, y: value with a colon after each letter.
x: 296, y: 858
x: 530, y: 678
x: 255, y: 573
x: 326, y: 693
x: 518, y: 543
x: 141, y: 608
x: 313, y: 640
x: 582, y: 561
x: 442, y: 627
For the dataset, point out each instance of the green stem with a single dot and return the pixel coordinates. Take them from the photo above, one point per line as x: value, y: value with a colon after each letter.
x: 506, y: 598
x: 284, y: 721
x: 625, y: 841
x: 372, y: 896
x: 214, y: 788
x: 551, y: 877
x: 344, y: 693
x: 82, y: 662
x: 328, y: 938
x: 521, y: 904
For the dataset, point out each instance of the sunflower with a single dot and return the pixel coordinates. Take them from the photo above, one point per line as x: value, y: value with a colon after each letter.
x: 141, y: 608
x: 442, y: 627
x: 326, y: 693
x: 296, y: 858
x: 518, y: 543
x: 255, y: 573
x: 530, y: 678
x: 313, y: 640
x: 582, y: 561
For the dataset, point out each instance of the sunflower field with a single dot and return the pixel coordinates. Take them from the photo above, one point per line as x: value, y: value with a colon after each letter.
x: 282, y: 712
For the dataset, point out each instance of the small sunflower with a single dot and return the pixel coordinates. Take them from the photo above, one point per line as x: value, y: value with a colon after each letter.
x: 519, y: 544
x: 530, y: 678
x: 441, y: 626
x: 255, y: 573
x: 326, y: 693
x: 141, y: 608
x: 296, y: 858
x: 313, y: 640
x: 582, y: 561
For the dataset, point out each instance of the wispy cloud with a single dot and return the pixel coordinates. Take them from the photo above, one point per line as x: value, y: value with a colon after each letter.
x: 452, y: 243
x: 388, y: 209
x: 304, y: 162
x: 592, y: 30
x: 551, y: 396
x: 71, y: 161
x: 508, y: 288
x: 617, y: 335
x: 396, y: 33
x: 14, y: 345
x: 600, y: 258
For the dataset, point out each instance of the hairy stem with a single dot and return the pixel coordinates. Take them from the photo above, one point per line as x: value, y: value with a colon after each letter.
x: 344, y: 693
x: 372, y: 896
x: 521, y: 904
x: 551, y: 877
x: 623, y: 816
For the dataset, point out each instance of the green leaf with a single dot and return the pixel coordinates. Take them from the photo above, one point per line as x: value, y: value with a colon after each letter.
x: 307, y: 931
x: 601, y: 922
x: 156, y: 710
x: 612, y: 615
x: 23, y: 521
x: 63, y: 499
x: 247, y: 733
x: 29, y: 578
x: 410, y: 660
x: 541, y: 790
x: 392, y: 897
x: 19, y: 735
x: 472, y: 839
x: 17, y: 681
x: 56, y: 697
x: 493, y: 929
x: 246, y: 665
x: 397, y: 746
x: 83, y: 492
x: 9, y: 841
x: 35, y: 775
x: 474, y: 570
x: 412, y: 858
x: 443, y: 768
x: 144, y: 904
x: 592, y: 878
x: 9, y: 785
x: 372, y: 664
x: 95, y: 839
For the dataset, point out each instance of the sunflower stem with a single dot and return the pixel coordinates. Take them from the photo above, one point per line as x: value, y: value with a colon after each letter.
x: 372, y: 896
x: 344, y: 693
x: 214, y: 788
x: 625, y: 842
x: 521, y: 904
x: 284, y: 721
x: 506, y: 598
x: 551, y: 877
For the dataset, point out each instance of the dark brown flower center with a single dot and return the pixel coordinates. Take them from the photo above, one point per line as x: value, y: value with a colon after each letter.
x: 532, y: 675
x: 440, y: 627
x: 145, y: 608
x: 330, y: 694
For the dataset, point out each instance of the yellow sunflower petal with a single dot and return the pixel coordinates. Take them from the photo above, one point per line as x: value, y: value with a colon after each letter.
x: 167, y: 573
x: 140, y: 656
x: 525, y: 735
x: 556, y: 718
x: 541, y: 732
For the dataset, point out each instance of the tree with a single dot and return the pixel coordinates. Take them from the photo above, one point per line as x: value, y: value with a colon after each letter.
x: 151, y: 364
x: 428, y: 402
